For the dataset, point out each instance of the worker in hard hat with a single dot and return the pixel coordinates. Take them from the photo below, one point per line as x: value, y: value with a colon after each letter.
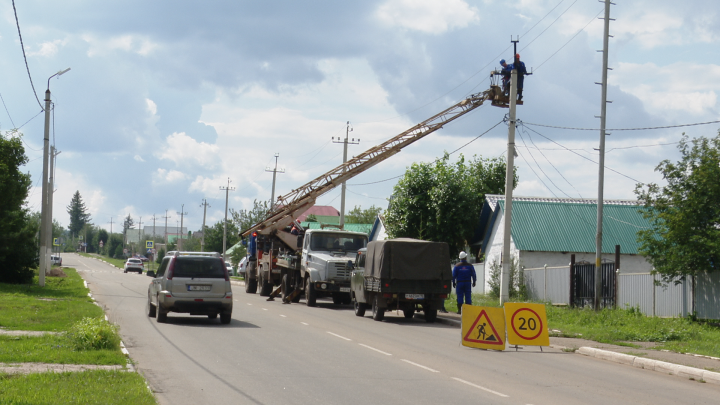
x: 521, y: 72
x: 462, y: 275
x: 506, y: 69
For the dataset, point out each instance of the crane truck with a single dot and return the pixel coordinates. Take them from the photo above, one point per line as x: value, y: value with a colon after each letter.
x: 284, y: 254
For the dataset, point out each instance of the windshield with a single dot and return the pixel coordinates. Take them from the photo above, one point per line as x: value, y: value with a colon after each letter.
x: 337, y: 242
x: 204, y: 267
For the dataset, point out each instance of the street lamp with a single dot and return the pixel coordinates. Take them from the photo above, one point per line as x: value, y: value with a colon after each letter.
x: 45, y: 216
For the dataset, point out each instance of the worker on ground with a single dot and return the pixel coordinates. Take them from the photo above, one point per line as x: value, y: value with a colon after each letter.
x: 462, y: 275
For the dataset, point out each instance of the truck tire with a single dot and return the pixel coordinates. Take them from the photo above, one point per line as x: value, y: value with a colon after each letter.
x: 346, y: 299
x: 286, y: 288
x: 408, y: 312
x: 265, y: 286
x: 337, y: 299
x: 378, y: 313
x: 359, y: 308
x: 430, y: 315
x: 250, y: 285
x: 310, y: 293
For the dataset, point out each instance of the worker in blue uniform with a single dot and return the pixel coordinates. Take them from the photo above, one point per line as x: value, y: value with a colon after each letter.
x: 463, y: 275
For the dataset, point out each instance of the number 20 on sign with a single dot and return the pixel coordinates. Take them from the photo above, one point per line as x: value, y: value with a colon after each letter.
x: 526, y: 324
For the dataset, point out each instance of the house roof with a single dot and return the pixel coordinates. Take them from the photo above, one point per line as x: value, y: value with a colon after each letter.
x: 568, y: 225
x: 319, y: 210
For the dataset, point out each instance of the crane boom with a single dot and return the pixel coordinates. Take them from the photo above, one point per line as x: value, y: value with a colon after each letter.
x: 299, y: 200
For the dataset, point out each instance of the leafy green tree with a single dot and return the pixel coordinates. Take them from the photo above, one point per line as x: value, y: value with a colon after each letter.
x: 441, y: 201
x: 214, y: 236
x: 102, y: 236
x: 78, y: 214
x: 18, y: 246
x: 358, y: 215
x: 115, y: 242
x: 244, y: 219
x: 127, y: 224
x: 684, y: 238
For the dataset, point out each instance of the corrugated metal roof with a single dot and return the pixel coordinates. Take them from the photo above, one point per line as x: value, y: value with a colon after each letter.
x: 571, y: 225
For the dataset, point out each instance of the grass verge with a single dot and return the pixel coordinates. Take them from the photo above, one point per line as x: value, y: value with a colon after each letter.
x: 57, y: 349
x: 88, y: 387
x: 115, y: 262
x: 55, y: 307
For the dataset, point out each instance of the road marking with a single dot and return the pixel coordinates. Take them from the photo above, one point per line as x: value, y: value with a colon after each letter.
x: 372, y: 348
x: 283, y: 316
x: 249, y: 303
x: 482, y: 388
x: 237, y: 300
x: 305, y: 324
x: 264, y: 309
x: 341, y: 337
x: 420, y: 365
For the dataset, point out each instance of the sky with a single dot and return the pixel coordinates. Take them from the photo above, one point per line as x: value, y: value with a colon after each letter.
x: 167, y: 101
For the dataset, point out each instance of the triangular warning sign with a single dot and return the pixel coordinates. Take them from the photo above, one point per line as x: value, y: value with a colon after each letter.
x: 483, y: 331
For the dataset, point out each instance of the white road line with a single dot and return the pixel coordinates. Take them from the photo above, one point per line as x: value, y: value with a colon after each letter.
x: 341, y: 337
x: 306, y: 324
x: 248, y: 303
x: 283, y: 316
x: 264, y: 309
x: 372, y: 348
x: 420, y: 365
x: 482, y: 388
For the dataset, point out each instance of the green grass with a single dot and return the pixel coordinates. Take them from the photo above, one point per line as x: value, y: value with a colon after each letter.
x: 55, y: 307
x: 89, y: 387
x: 57, y: 349
x: 120, y: 263
x: 480, y: 300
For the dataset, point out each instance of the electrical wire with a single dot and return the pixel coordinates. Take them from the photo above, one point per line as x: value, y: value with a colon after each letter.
x: 548, y: 27
x: 624, y: 129
x: 549, y: 161
x: 540, y: 168
x: 33, y: 117
x: 366, y: 196
x: 6, y: 110
x: 17, y: 22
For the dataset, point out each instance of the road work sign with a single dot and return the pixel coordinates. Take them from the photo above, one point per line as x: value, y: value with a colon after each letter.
x: 527, y: 324
x: 483, y: 327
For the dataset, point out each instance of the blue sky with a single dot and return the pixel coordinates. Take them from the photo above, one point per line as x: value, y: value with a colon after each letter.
x: 166, y: 100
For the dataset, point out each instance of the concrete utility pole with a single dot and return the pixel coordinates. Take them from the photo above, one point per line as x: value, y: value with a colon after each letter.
x: 111, y: 222
x: 601, y: 164
x: 45, y: 215
x: 140, y: 234
x: 182, y: 214
x: 202, y: 240
x: 51, y: 185
x: 274, y: 171
x: 345, y: 143
x: 509, y: 177
x: 227, y: 191
x: 153, y: 218
x: 166, y: 218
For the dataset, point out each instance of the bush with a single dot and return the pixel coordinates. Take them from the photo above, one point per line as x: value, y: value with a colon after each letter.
x: 517, y: 288
x: 94, y: 334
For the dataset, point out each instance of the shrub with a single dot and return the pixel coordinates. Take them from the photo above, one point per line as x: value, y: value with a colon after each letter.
x: 94, y: 334
x: 517, y: 288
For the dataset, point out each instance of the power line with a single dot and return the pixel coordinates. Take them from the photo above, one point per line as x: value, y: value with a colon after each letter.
x: 624, y: 129
x: 34, y: 116
x: 570, y: 40
x: 6, y: 110
x: 17, y: 22
x: 548, y: 27
x: 540, y: 168
x: 548, y: 160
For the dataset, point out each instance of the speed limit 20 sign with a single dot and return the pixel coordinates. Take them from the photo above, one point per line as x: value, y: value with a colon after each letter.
x: 526, y: 324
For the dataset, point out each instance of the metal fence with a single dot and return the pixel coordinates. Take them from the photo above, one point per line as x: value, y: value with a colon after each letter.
x: 549, y: 284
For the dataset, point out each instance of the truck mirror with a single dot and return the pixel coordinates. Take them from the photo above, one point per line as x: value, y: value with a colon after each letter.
x: 151, y: 273
x: 299, y: 241
x: 349, y: 265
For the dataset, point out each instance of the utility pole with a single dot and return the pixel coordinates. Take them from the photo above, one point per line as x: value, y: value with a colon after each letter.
x: 202, y: 240
x: 140, y: 234
x: 601, y: 164
x: 182, y: 214
x: 51, y: 186
x: 227, y: 191
x: 509, y: 177
x: 345, y: 143
x: 153, y: 218
x: 45, y: 216
x: 166, y: 218
x: 274, y: 171
x: 111, y: 222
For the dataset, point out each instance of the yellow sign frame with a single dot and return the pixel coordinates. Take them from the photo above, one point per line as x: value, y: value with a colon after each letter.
x: 149, y: 244
x: 490, y: 334
x: 526, y: 324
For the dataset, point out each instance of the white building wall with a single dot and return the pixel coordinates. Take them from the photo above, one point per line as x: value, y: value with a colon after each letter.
x: 494, y: 252
x: 628, y: 263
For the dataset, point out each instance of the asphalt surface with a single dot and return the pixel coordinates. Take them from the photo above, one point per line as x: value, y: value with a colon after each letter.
x: 273, y: 353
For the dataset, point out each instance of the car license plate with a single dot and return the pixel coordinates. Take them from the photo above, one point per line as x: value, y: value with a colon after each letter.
x: 344, y: 289
x: 415, y: 296
x: 198, y: 288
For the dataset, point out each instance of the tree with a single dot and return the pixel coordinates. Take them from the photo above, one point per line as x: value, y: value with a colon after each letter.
x: 358, y: 215
x: 128, y: 223
x: 18, y: 246
x: 214, y: 237
x: 244, y: 219
x: 684, y: 237
x: 441, y: 201
x: 78, y: 214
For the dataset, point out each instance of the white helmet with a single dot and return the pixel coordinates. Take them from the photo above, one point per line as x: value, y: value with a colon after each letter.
x: 463, y: 255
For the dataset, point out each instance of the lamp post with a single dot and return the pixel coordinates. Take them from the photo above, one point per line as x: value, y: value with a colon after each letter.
x: 45, y: 236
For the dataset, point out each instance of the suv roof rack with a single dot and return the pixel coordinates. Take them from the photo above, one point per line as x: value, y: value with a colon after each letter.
x: 179, y: 253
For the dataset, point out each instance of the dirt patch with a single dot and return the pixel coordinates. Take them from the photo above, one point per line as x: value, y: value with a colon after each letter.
x: 56, y: 272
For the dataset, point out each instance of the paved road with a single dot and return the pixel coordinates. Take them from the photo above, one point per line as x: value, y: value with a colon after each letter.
x: 272, y: 353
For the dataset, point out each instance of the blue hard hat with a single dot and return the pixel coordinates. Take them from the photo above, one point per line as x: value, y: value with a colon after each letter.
x: 502, y: 61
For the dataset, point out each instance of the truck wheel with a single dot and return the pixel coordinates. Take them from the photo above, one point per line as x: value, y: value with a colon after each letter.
x: 430, y: 315
x: 408, y: 312
x: 337, y: 299
x: 310, y: 293
x: 359, y: 308
x: 265, y: 286
x: 286, y: 288
x: 346, y: 298
x: 250, y: 285
x: 378, y: 313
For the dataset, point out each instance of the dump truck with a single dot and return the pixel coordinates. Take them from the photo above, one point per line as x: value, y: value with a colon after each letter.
x: 401, y: 274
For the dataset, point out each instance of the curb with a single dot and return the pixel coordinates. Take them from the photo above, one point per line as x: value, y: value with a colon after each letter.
x: 691, y: 373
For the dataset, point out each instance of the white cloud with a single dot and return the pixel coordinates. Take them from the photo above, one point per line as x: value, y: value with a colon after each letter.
x: 168, y: 176
x: 184, y: 150
x: 151, y: 106
x: 128, y: 43
x: 48, y: 49
x: 138, y: 158
x: 430, y: 16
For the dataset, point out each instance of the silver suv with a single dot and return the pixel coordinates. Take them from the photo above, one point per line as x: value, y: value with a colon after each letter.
x: 190, y: 282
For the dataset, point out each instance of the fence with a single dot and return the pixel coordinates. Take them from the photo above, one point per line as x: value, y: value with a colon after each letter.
x: 552, y: 284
